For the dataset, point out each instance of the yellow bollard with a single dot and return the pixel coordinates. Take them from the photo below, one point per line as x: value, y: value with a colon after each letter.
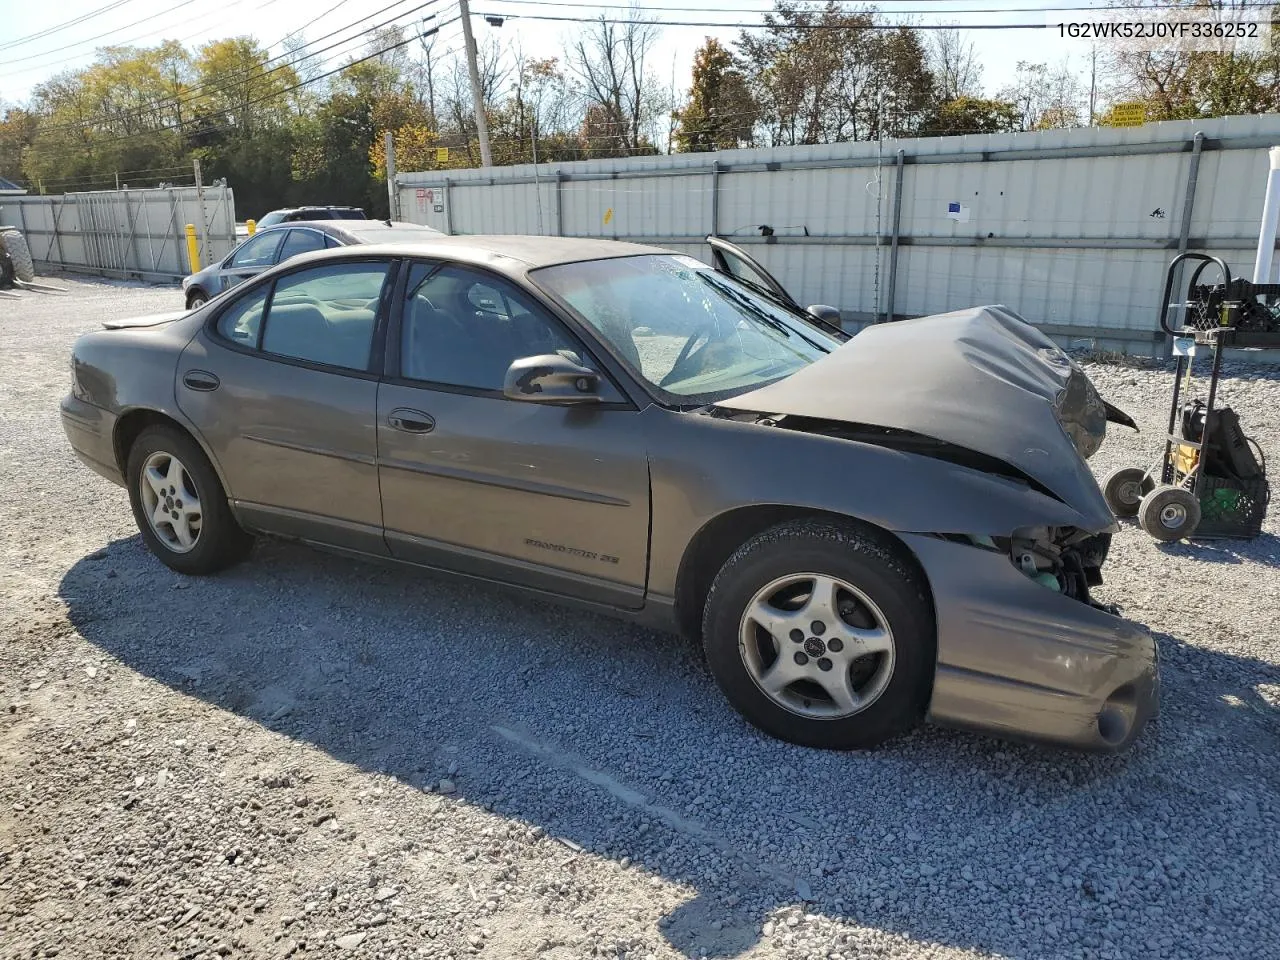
x: 193, y: 248
x: 252, y: 226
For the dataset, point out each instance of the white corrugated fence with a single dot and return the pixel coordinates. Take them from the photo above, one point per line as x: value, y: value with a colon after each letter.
x: 137, y: 234
x: 1071, y: 228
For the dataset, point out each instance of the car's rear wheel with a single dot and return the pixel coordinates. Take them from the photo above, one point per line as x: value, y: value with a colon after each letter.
x: 820, y: 633
x: 196, y: 299
x: 179, y: 504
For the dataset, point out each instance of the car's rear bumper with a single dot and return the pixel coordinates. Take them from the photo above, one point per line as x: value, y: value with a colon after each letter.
x: 90, y: 430
x: 1019, y: 660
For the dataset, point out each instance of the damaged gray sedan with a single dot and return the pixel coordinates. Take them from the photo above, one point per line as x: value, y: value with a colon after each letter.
x: 862, y: 532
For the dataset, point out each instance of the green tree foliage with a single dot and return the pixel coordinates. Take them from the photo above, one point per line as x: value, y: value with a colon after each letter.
x: 822, y: 74
x: 721, y: 113
x: 972, y: 115
x: 17, y: 130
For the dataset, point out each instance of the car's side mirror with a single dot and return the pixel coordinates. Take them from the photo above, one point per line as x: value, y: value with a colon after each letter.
x: 551, y: 378
x: 827, y: 314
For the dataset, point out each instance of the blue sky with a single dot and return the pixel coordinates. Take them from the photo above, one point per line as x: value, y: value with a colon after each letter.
x: 145, y: 22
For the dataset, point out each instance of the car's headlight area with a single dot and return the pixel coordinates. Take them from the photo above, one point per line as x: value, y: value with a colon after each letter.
x: 1066, y: 560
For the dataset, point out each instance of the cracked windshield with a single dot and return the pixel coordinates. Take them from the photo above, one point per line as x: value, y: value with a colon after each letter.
x: 686, y: 329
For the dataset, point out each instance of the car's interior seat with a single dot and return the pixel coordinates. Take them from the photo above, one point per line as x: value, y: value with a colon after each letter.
x: 441, y: 348
x: 300, y: 330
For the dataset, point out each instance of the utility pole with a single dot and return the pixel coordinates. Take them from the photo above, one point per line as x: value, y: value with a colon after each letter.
x: 393, y: 195
x: 1093, y: 85
x: 477, y: 95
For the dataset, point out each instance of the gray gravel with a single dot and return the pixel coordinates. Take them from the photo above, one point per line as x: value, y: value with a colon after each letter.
x: 313, y: 757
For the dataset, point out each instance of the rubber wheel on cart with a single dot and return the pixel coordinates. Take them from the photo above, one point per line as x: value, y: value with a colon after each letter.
x: 1169, y: 513
x: 1124, y: 487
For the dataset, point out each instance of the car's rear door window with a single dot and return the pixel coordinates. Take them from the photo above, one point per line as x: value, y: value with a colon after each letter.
x: 241, y: 322
x: 301, y: 241
x: 326, y: 314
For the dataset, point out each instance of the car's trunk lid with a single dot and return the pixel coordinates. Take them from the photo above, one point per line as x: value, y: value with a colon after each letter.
x: 981, y: 378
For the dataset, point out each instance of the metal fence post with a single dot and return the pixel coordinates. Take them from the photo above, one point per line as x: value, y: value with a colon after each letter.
x: 893, y: 242
x: 715, y: 199
x: 559, y: 203
x: 1184, y: 228
x: 448, y: 207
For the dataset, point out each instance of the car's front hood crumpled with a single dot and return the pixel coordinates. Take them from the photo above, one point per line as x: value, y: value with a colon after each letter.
x: 981, y: 378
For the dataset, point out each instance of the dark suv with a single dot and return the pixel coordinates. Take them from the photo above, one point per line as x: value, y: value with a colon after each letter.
x: 291, y: 214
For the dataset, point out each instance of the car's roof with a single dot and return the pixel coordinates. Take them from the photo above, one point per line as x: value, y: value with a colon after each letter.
x: 530, y: 251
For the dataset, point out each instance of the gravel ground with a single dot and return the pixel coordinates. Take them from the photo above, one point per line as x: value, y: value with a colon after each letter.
x: 314, y: 757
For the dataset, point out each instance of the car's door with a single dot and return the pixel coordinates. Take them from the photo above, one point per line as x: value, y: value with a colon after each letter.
x: 250, y: 259
x: 735, y: 262
x: 541, y: 495
x: 281, y: 384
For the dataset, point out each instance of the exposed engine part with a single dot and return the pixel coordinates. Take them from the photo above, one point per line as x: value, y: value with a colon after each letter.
x: 1062, y: 558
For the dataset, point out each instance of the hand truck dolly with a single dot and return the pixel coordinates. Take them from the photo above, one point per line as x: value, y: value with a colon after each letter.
x: 1211, y: 481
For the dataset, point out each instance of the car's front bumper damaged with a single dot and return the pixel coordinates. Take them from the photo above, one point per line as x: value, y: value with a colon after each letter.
x: 1024, y: 657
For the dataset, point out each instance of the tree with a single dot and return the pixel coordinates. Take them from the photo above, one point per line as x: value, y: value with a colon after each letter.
x: 1187, y: 84
x: 1045, y: 99
x: 827, y: 74
x: 973, y: 115
x: 957, y: 73
x: 239, y: 90
x: 623, y: 99
x: 721, y: 113
x: 17, y: 131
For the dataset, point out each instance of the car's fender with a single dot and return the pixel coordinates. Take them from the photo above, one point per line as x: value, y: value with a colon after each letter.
x: 703, y: 468
x: 132, y: 371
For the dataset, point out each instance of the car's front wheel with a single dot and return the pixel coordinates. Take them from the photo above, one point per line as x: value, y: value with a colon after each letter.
x: 179, y: 504
x: 196, y: 299
x: 821, y: 633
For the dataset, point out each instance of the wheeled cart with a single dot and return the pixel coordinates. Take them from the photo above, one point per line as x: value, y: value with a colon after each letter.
x: 1211, y: 480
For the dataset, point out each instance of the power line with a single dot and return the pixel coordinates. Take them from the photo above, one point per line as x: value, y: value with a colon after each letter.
x: 95, y: 40
x: 766, y: 26
x: 767, y: 11
x: 272, y: 96
x: 222, y: 83
x: 313, y: 20
x: 56, y: 28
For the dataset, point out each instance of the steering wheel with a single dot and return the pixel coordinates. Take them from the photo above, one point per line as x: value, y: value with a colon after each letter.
x: 677, y: 371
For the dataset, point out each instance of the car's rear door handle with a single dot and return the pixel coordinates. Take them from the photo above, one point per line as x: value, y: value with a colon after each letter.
x: 411, y: 421
x: 200, y: 380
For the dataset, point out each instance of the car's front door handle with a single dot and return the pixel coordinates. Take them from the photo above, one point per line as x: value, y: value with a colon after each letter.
x: 200, y: 380
x: 411, y: 421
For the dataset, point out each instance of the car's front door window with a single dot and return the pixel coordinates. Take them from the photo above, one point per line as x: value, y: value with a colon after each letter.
x: 257, y: 251
x: 463, y: 328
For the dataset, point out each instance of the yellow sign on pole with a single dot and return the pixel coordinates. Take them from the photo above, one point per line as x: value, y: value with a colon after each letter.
x: 442, y: 154
x: 1128, y: 115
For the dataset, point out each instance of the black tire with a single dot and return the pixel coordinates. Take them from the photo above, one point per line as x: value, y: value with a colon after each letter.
x: 1169, y: 513
x: 1123, y: 489
x: 196, y: 299
x: 16, y: 246
x: 220, y: 542
x: 875, y: 566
